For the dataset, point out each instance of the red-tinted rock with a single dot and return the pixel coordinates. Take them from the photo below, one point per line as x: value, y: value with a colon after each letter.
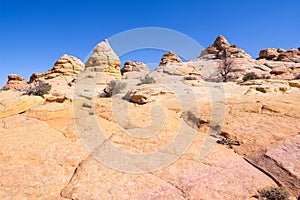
x: 282, y: 161
x: 268, y: 53
x: 169, y: 58
x: 131, y: 66
x: 15, y: 82
x: 216, y: 51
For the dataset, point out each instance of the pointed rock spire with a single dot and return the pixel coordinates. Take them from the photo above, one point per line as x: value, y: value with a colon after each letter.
x: 104, y: 59
x: 220, y: 45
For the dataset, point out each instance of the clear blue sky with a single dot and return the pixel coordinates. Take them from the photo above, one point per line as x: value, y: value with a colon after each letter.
x: 34, y: 33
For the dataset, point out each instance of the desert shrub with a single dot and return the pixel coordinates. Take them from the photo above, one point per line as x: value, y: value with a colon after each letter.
x: 250, y: 76
x: 113, y: 87
x: 226, y: 70
x: 128, y: 95
x: 5, y: 89
x: 274, y: 193
x: 38, y: 88
x: 147, y: 80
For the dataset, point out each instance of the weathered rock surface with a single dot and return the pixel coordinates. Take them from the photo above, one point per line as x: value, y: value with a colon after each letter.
x: 265, y: 118
x: 58, y: 115
x: 12, y: 103
x: 178, y: 69
x: 268, y: 53
x: 270, y: 88
x: 131, y: 66
x: 49, y: 140
x: 282, y: 161
x: 216, y: 51
x: 66, y: 66
x: 104, y: 59
x: 43, y: 158
x: 169, y: 58
x: 221, y: 175
x: 36, y: 160
x: 15, y: 82
x: 280, y: 70
x: 292, y: 55
x: 146, y: 94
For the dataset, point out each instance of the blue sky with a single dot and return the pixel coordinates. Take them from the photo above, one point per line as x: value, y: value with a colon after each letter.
x: 35, y: 33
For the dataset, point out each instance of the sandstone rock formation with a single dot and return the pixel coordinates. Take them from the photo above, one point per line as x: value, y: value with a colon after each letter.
x: 169, y: 58
x: 281, y: 160
x: 60, y: 77
x: 292, y: 55
x: 12, y: 103
x: 269, y: 53
x: 179, y: 69
x: 65, y: 66
x: 146, y: 94
x: 37, y: 160
x: 216, y: 51
x: 49, y: 140
x: 131, y: 66
x: 15, y: 82
x: 171, y: 64
x: 104, y: 59
x: 238, y: 137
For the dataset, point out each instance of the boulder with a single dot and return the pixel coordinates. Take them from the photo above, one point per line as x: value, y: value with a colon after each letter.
x: 292, y: 55
x: 15, y: 82
x: 169, y: 58
x: 268, y: 53
x: 146, y: 94
x: 104, y: 59
x: 131, y: 66
x: 221, y: 43
x: 280, y: 50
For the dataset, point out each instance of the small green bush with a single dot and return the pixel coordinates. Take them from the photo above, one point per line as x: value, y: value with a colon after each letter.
x: 274, y: 193
x: 38, y: 88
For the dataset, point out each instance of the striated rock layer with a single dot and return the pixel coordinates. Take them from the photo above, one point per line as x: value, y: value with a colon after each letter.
x: 15, y: 82
x: 216, y: 51
x: 292, y: 55
x: 65, y: 66
x: 104, y: 59
x: 131, y: 66
x: 169, y: 58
